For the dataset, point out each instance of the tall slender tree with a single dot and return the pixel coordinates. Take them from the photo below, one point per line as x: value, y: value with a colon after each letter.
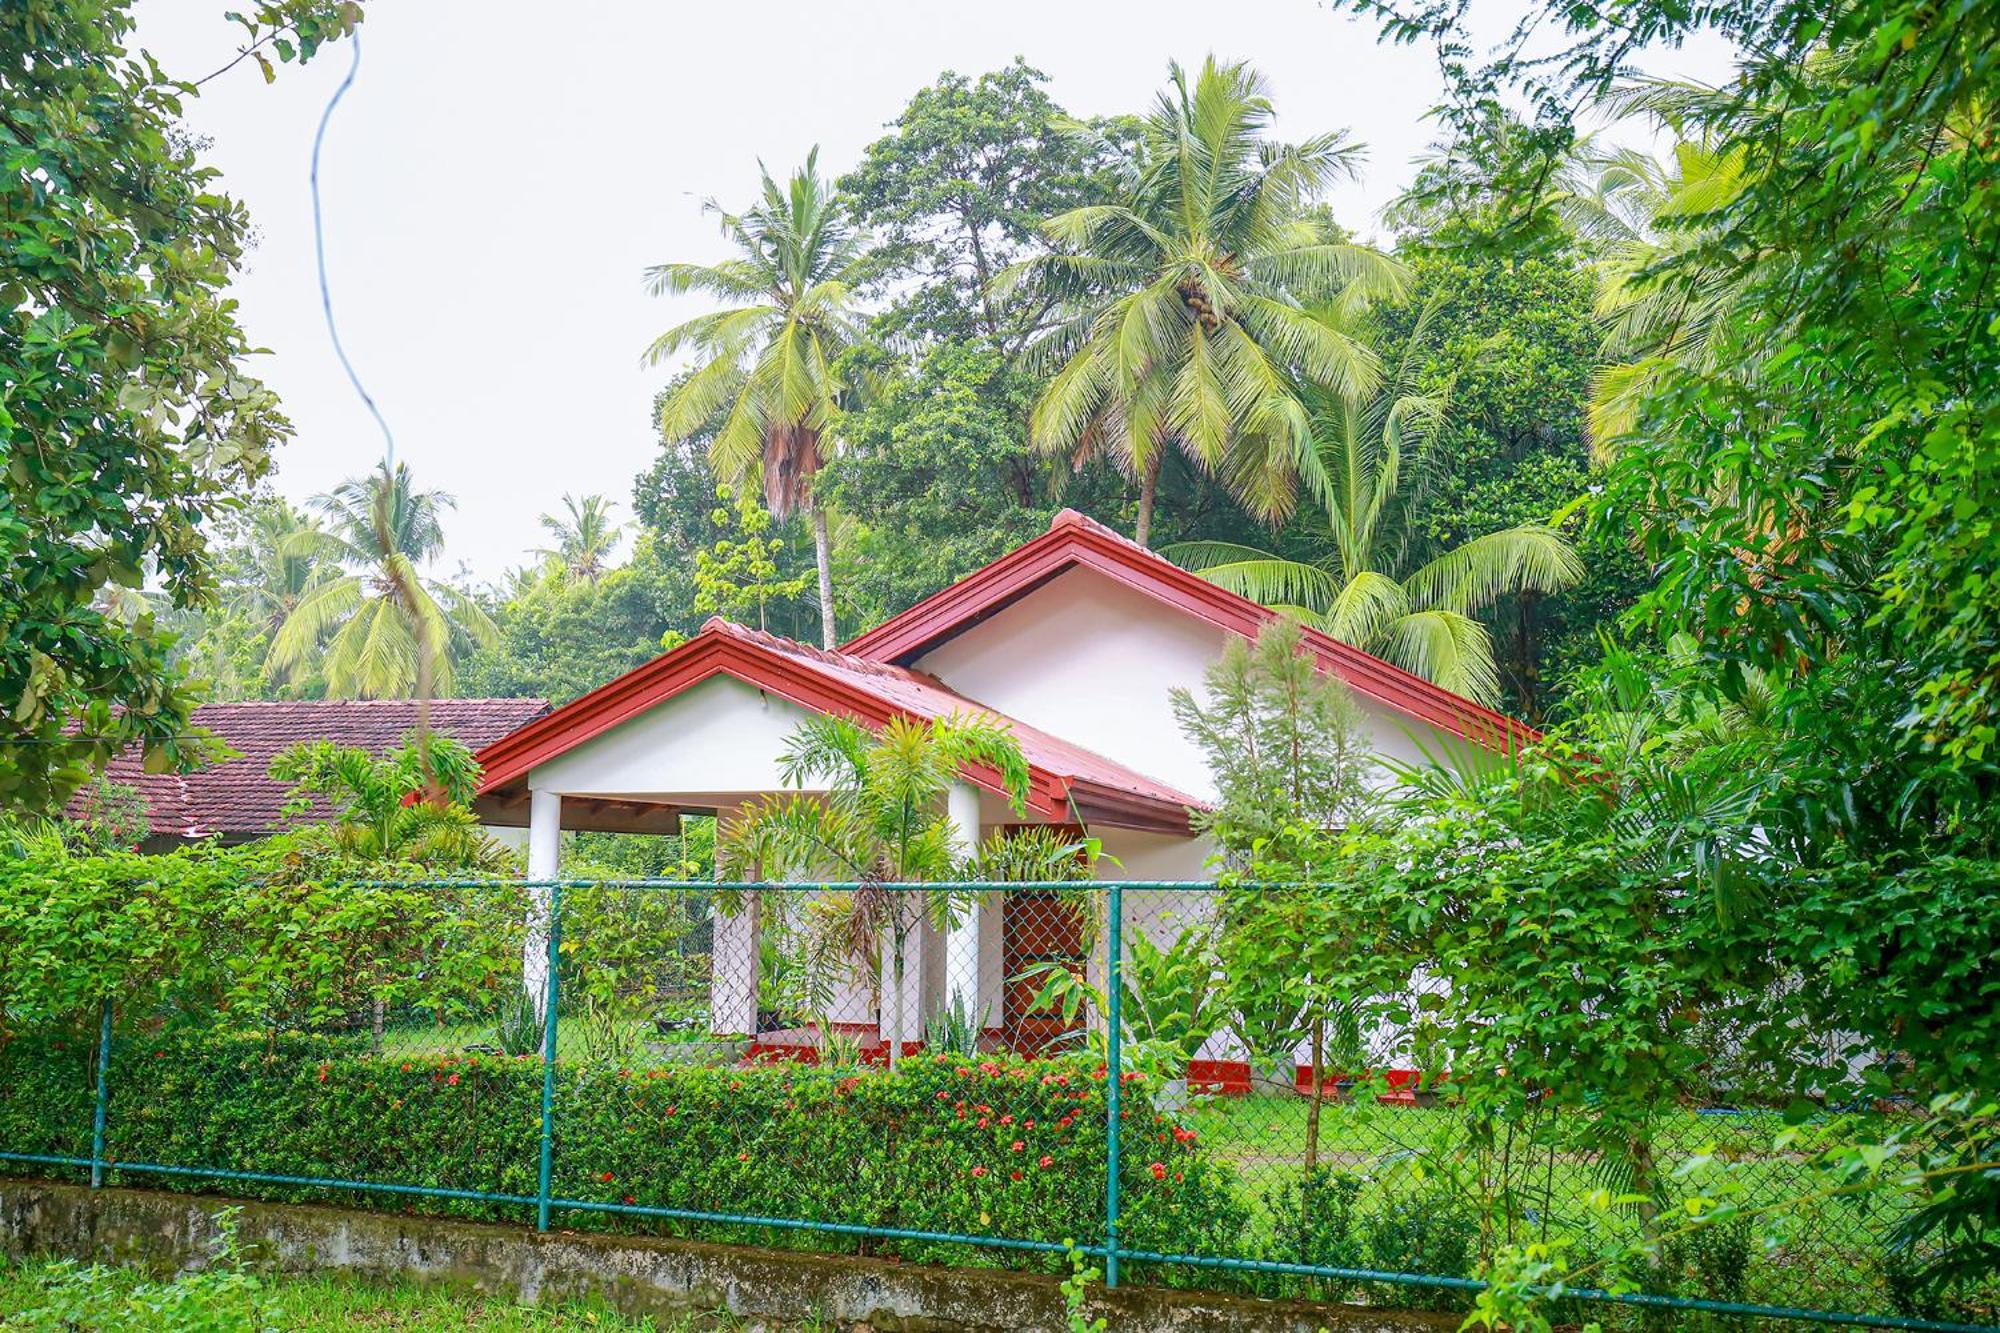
x: 766, y: 365
x: 379, y: 627
x: 584, y: 534
x: 1185, y: 322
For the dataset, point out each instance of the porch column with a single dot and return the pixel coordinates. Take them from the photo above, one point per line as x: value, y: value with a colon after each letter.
x: 732, y: 958
x: 961, y: 949
x: 544, y: 862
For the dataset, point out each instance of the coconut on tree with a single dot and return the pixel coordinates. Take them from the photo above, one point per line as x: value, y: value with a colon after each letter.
x: 1185, y: 322
x: 764, y: 366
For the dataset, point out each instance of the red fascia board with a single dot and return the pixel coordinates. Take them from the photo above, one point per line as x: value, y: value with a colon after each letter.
x: 1078, y: 546
x: 511, y: 758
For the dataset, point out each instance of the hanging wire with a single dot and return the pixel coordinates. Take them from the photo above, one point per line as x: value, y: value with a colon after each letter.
x: 319, y: 255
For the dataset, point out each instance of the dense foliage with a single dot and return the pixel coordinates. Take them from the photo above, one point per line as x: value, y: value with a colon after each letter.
x: 128, y: 417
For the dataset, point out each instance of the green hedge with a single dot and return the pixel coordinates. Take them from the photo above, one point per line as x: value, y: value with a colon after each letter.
x: 1001, y: 1147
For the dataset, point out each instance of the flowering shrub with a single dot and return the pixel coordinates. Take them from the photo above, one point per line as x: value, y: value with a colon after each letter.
x: 1002, y: 1147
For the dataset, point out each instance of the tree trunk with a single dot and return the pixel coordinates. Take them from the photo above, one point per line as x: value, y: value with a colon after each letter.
x: 1318, y: 1095
x: 1149, y: 486
x: 376, y: 1024
x: 896, y: 1041
x: 829, y: 633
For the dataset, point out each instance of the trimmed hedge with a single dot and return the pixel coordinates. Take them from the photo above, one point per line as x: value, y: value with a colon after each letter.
x: 1003, y: 1147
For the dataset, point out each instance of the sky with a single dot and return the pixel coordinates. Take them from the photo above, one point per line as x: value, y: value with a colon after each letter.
x: 500, y: 174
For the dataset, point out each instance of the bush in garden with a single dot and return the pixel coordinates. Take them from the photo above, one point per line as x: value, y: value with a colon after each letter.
x: 1001, y: 1147
x: 1313, y: 1222
x: 1430, y: 1232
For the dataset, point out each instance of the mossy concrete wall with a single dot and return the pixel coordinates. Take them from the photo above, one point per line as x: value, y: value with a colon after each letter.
x: 638, y: 1275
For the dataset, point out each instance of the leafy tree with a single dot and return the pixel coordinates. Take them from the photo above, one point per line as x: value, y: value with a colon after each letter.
x: 585, y: 536
x: 956, y: 193
x: 1421, y: 618
x: 556, y: 638
x: 1182, y: 325
x: 1517, y: 344
x: 380, y: 630
x: 768, y: 369
x: 881, y: 819
x: 739, y: 573
x: 127, y: 418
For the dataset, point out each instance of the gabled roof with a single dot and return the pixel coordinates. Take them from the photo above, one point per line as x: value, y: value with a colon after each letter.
x: 1074, y: 541
x: 1066, y: 781
x: 237, y: 798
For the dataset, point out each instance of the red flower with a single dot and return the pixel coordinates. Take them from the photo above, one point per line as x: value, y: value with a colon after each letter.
x: 1066, y: 1122
x: 452, y: 1081
x: 743, y: 1157
x: 1027, y: 1124
x: 1184, y: 1135
x: 629, y: 1201
x: 944, y: 1096
x: 406, y: 1068
x: 982, y: 1122
x: 606, y: 1177
x: 1046, y: 1162
x: 978, y: 1171
x: 1159, y: 1170
x: 1177, y: 1177
x: 1006, y: 1119
x: 1016, y: 1146
x: 1013, y: 1175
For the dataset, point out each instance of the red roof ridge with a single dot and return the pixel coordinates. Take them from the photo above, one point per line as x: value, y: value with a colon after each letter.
x: 1075, y: 540
x: 830, y: 681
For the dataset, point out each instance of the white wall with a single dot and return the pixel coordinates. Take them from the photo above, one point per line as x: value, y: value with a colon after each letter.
x: 720, y: 739
x: 1087, y: 659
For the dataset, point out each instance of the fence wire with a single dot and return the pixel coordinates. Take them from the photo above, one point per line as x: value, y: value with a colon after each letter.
x: 972, y: 1074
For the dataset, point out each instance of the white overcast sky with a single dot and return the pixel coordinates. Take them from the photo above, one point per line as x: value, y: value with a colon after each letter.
x: 501, y: 172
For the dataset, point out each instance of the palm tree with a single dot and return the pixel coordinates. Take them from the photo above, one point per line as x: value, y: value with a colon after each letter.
x: 765, y: 364
x: 274, y: 576
x: 585, y: 537
x: 1370, y: 449
x: 379, y: 629
x: 882, y: 820
x: 1183, y: 320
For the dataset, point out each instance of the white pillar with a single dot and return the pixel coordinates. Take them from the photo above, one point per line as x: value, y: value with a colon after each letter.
x: 961, y: 948
x: 544, y: 862
x: 732, y: 959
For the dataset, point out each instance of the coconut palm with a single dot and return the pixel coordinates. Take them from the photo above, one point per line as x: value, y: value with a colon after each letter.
x: 585, y: 537
x: 881, y: 820
x: 272, y: 575
x: 1183, y: 319
x: 1375, y: 452
x: 765, y: 364
x: 379, y: 629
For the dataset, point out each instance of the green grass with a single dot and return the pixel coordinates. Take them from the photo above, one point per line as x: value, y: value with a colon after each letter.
x: 314, y: 1305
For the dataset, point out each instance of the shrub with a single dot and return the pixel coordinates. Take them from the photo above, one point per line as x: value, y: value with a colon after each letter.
x: 999, y: 1147
x: 1430, y: 1232
x: 1313, y: 1222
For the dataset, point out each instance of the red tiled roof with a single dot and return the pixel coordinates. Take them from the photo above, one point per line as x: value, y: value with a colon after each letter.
x: 237, y: 797
x: 1075, y: 541
x: 1065, y: 779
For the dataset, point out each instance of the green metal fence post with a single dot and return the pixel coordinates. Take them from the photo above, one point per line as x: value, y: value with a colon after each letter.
x: 99, y: 1116
x: 549, y: 1061
x: 1114, y: 980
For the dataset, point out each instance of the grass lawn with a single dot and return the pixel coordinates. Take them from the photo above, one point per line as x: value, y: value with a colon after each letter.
x: 120, y: 1300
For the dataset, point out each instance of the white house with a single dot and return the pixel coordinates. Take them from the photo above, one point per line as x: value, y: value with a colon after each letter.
x: 1075, y: 639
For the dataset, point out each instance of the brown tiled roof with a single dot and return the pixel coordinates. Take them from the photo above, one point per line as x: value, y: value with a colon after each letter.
x: 237, y: 797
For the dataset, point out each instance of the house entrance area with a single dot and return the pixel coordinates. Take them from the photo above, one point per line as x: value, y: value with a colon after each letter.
x: 1041, y: 932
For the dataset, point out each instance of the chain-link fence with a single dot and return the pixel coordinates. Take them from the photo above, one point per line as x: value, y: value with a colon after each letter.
x: 968, y: 1073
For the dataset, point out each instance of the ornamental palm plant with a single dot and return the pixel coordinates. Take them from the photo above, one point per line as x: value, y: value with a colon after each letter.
x: 765, y: 365
x: 1374, y: 453
x: 881, y: 819
x: 1184, y: 322
x: 379, y: 630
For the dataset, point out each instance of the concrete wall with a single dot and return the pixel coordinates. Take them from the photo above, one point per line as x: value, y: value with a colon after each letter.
x: 720, y: 739
x: 638, y: 1275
